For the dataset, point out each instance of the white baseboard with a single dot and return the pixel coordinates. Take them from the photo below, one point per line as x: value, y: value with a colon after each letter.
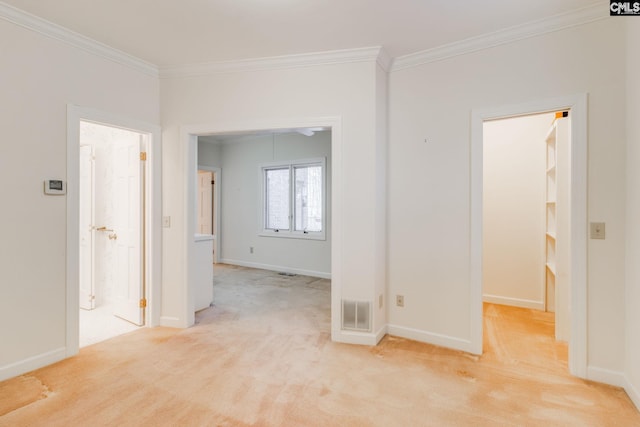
x: 381, y: 333
x: 514, y: 302
x: 171, y: 322
x: 354, y: 337
x: 632, y: 392
x: 430, y: 338
x: 606, y: 376
x: 270, y: 267
x: 31, y: 363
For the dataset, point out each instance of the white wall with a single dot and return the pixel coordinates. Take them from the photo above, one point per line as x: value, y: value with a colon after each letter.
x: 209, y: 154
x: 226, y: 100
x: 632, y: 319
x: 429, y: 204
x: 38, y: 78
x: 242, y: 200
x: 513, y: 210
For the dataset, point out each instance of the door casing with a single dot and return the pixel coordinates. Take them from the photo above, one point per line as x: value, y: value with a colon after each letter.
x: 153, y: 217
x: 578, y: 228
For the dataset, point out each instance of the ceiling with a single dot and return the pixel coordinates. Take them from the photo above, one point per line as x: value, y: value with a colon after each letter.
x: 172, y: 32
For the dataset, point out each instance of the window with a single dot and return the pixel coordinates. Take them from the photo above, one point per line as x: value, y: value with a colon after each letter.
x: 294, y: 199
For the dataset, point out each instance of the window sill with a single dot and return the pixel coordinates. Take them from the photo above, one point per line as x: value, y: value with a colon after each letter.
x: 290, y: 235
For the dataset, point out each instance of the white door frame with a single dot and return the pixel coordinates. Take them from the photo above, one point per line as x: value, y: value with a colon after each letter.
x: 189, y: 142
x: 216, y: 203
x: 578, y: 213
x: 75, y: 115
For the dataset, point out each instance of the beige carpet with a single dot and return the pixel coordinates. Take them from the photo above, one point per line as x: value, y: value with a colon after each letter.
x: 262, y: 356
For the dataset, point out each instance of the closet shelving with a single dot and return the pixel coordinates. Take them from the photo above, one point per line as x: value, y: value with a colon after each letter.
x: 551, y: 210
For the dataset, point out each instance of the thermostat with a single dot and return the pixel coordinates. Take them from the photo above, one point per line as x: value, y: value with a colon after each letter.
x: 55, y: 187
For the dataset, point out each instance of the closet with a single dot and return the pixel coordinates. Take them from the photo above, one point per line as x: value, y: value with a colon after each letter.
x: 557, y: 223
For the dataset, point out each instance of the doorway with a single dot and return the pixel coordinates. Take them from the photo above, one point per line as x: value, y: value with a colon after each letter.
x: 525, y: 227
x: 190, y: 137
x: 209, y: 209
x: 576, y: 239
x: 112, y: 295
x: 102, y: 238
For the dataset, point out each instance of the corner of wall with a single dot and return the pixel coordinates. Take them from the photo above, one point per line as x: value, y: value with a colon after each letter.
x: 632, y: 392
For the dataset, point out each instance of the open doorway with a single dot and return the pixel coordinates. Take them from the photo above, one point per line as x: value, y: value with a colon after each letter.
x: 208, y: 204
x: 576, y: 237
x: 525, y: 231
x: 112, y: 295
x: 273, y: 209
x: 151, y: 217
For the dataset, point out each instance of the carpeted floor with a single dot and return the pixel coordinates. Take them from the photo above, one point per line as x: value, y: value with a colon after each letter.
x: 262, y: 356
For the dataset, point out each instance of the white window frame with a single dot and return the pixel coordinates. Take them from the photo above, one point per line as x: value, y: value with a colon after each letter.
x: 292, y: 233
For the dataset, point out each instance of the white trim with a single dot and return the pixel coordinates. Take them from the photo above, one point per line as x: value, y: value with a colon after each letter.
x: 170, y: 322
x: 632, y: 392
x: 366, y: 54
x: 353, y: 337
x: 578, y: 241
x: 562, y: 21
x: 71, y: 38
x: 514, y: 302
x: 430, y: 338
x: 382, y: 332
x: 189, y: 146
x: 27, y: 365
x: 606, y: 376
x: 75, y: 115
x: 270, y: 267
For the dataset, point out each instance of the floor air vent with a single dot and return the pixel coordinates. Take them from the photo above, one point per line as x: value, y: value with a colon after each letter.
x: 356, y: 315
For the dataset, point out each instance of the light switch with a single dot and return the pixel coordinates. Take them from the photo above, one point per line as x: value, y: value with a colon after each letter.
x: 166, y: 221
x: 597, y: 230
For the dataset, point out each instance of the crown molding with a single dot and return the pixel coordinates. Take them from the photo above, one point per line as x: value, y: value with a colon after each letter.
x: 345, y: 56
x: 384, y: 60
x: 57, y: 32
x: 574, y: 18
x: 585, y: 15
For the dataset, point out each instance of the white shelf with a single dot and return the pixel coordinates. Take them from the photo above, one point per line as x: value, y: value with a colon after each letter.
x: 552, y: 268
x: 550, y: 211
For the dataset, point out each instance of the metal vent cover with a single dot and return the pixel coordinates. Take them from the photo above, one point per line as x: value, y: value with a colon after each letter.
x: 356, y: 315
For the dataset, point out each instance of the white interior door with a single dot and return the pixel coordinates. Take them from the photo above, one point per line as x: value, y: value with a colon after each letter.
x: 129, y: 289
x: 87, y: 282
x: 205, y: 202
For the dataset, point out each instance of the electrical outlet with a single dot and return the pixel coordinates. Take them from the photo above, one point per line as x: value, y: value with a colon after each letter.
x: 400, y: 300
x: 597, y: 230
x: 250, y: 249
